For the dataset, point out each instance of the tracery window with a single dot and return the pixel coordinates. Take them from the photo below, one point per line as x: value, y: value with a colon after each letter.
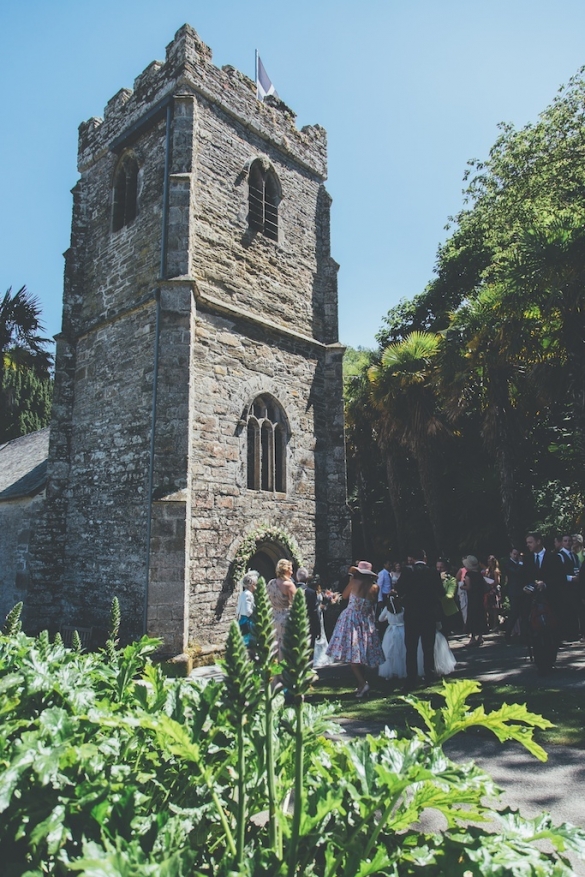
x: 125, y: 192
x: 267, y: 440
x: 263, y: 198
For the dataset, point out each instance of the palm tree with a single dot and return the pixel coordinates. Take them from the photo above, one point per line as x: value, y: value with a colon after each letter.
x: 21, y: 345
x: 549, y: 272
x: 404, y: 394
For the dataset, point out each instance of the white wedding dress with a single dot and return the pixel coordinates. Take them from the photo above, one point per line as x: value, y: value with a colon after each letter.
x: 395, y: 651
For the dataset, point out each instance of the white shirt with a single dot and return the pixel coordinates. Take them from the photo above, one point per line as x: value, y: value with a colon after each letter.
x: 384, y: 584
x: 571, y: 558
x: 245, y: 604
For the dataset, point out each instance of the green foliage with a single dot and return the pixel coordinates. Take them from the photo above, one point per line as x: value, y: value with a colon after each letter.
x: 251, y: 543
x: 170, y: 777
x: 26, y: 402
x: 25, y: 385
x: 506, y: 314
x: 13, y: 625
x: 76, y: 641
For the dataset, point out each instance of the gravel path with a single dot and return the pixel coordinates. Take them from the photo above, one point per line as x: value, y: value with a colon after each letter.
x: 557, y: 785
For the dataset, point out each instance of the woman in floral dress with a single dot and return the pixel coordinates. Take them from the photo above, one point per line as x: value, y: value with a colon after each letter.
x: 355, y: 640
x: 281, y: 592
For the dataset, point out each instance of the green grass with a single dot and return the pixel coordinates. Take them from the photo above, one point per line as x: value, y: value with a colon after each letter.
x: 384, y: 706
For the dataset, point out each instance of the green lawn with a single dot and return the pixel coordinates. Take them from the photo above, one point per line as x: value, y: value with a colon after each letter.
x: 565, y: 708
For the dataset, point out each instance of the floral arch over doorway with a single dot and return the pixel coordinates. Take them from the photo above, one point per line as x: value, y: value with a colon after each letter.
x: 266, y: 539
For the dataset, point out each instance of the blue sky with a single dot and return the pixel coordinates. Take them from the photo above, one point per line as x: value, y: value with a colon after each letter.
x: 408, y: 92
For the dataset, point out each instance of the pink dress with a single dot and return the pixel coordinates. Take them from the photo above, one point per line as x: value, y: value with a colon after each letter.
x: 355, y: 639
x: 281, y: 606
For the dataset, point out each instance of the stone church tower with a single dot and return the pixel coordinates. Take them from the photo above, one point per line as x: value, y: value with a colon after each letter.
x: 198, y: 417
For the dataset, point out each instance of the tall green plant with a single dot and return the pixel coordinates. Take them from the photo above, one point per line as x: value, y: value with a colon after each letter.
x: 265, y: 655
x: 166, y: 780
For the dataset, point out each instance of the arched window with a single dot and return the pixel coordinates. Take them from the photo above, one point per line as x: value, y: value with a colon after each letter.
x: 263, y: 198
x: 125, y: 192
x: 267, y: 439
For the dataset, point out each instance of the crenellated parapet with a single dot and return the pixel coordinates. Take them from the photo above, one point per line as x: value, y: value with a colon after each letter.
x: 188, y: 69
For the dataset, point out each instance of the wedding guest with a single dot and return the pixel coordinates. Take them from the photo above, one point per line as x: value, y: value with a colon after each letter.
x: 570, y: 600
x: 450, y: 616
x: 421, y: 595
x: 578, y: 548
x: 543, y: 576
x: 512, y: 569
x: 281, y: 591
x: 394, y: 647
x: 313, y: 611
x: 492, y: 597
x: 245, y: 607
x: 355, y: 639
x: 475, y: 587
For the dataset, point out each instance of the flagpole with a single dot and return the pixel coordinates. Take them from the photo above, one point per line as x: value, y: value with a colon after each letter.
x: 256, y: 71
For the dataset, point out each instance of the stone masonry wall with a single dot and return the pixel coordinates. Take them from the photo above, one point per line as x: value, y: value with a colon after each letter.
x: 232, y: 364
x: 236, y: 264
x: 106, y: 517
x: 238, y: 315
x: 15, y: 522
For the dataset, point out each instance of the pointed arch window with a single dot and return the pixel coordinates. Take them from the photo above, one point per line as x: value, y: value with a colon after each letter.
x: 125, y: 192
x: 267, y: 438
x: 263, y: 198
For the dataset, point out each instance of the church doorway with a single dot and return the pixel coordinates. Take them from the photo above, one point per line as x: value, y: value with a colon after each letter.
x: 266, y: 557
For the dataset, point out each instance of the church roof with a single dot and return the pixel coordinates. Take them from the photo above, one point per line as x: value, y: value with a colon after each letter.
x: 23, y: 465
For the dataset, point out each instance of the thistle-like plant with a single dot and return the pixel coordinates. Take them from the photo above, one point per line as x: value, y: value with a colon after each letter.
x: 265, y: 656
x: 242, y: 697
x: 43, y: 643
x: 76, y: 641
x: 112, y: 640
x: 13, y: 625
x: 297, y: 676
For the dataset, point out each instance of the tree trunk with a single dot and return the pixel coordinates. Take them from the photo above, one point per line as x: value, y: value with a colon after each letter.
x: 427, y: 473
x: 395, y: 493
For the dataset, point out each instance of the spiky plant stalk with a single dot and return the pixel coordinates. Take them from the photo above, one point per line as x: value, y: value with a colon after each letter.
x: 43, y: 643
x: 297, y: 676
x: 115, y: 617
x: 76, y: 641
x: 13, y: 625
x: 265, y: 651
x: 58, y: 641
x: 242, y: 693
x: 112, y: 642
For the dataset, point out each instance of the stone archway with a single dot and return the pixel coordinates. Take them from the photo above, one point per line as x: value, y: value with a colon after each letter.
x: 266, y: 557
x: 261, y: 549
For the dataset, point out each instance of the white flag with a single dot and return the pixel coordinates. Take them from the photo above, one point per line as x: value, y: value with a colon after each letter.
x: 264, y: 86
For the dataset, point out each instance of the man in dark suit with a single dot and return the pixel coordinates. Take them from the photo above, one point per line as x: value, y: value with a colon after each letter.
x: 312, y: 604
x: 543, y: 577
x: 512, y: 569
x: 570, y: 591
x: 420, y: 590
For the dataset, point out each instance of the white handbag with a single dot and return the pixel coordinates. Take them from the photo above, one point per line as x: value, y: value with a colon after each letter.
x: 320, y: 656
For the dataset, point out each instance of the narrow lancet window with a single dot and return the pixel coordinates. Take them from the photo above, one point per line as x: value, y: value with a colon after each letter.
x: 263, y: 199
x: 267, y: 438
x: 125, y: 192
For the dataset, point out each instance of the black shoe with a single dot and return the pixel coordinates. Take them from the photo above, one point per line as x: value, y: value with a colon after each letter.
x: 410, y: 685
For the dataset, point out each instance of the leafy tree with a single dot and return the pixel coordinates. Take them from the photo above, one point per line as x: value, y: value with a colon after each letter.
x: 402, y: 389
x: 508, y: 302
x: 25, y: 383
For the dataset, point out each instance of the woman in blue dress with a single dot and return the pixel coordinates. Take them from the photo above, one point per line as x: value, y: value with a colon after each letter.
x: 355, y: 640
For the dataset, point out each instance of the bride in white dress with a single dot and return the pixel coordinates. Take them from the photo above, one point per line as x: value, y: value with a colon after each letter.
x: 395, y: 650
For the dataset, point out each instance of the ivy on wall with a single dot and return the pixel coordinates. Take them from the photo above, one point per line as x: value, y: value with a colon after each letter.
x: 252, y: 543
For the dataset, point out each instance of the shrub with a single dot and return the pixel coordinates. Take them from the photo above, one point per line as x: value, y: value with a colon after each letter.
x: 109, y: 769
